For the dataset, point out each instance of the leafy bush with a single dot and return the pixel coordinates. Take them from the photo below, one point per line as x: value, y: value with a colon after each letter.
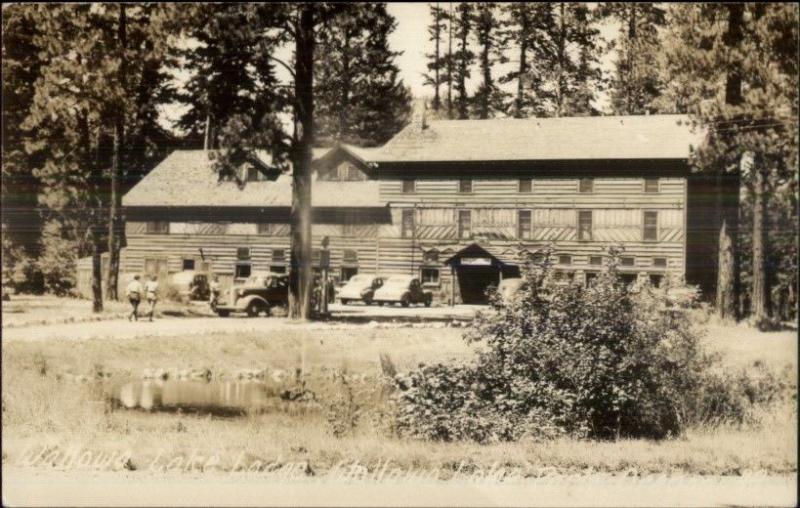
x: 599, y: 361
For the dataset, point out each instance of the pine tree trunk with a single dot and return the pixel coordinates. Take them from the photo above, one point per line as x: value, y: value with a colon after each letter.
x: 97, y: 271
x: 759, y: 289
x: 630, y: 85
x: 437, y: 37
x: 450, y: 64
x: 728, y: 275
x: 344, y: 97
x: 561, y: 49
x: 523, y: 67
x: 463, y: 114
x: 115, y: 204
x: 487, y: 81
x: 300, y: 275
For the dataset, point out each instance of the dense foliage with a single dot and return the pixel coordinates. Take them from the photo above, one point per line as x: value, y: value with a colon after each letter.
x: 601, y: 361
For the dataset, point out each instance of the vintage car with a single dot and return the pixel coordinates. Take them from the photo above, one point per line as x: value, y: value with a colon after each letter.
x: 360, y: 287
x: 191, y: 285
x: 402, y: 289
x: 260, y: 292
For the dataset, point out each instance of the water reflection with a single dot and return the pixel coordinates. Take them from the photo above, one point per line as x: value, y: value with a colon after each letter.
x: 218, y: 397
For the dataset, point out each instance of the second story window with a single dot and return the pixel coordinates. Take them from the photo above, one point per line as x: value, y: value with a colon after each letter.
x: 264, y: 228
x: 524, y: 225
x: 650, y: 231
x: 564, y: 259
x: 407, y: 226
x: 243, y: 254
x: 595, y: 260
x: 278, y: 256
x: 465, y: 185
x: 651, y: 185
x: 584, y: 225
x: 464, y: 224
x: 408, y: 186
x: 158, y: 227
x: 626, y: 261
x: 525, y: 185
x: 660, y: 262
x: 586, y: 185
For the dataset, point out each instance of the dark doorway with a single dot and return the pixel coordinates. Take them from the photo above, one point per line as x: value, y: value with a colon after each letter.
x: 473, y: 281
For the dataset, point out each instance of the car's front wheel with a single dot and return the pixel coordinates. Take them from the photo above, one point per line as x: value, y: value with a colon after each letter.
x: 345, y: 301
x: 428, y: 299
x: 405, y: 302
x: 223, y: 313
x: 256, y: 308
x: 367, y: 300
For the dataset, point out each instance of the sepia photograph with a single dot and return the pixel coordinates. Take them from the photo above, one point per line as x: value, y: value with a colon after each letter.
x: 404, y: 254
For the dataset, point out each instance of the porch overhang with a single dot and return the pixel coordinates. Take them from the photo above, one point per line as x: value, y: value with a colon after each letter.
x: 475, y: 255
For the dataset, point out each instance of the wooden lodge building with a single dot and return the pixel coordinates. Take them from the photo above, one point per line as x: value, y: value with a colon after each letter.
x: 453, y: 202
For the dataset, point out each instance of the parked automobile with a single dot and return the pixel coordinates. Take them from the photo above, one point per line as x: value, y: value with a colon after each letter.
x: 360, y: 287
x: 402, y: 289
x: 260, y: 292
x: 509, y: 288
x: 191, y: 285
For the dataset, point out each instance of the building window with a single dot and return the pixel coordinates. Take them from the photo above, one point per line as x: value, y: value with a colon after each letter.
x: 538, y: 258
x: 350, y: 256
x: 584, y: 225
x: 242, y: 270
x: 349, y: 272
x: 277, y: 268
x: 656, y: 279
x: 651, y: 185
x: 660, y: 262
x: 265, y: 228
x: 278, y: 256
x: 564, y: 259
x: 158, y: 227
x: 524, y: 225
x: 408, y: 186
x: 590, y: 278
x: 650, y: 232
x: 464, y: 224
x: 155, y: 266
x: 408, y: 224
x: 429, y: 276
x: 188, y: 264
x: 562, y: 276
x: 243, y: 253
x: 626, y: 261
x: 586, y: 185
x: 465, y: 185
x: 628, y: 278
x: 525, y: 185
x: 431, y: 256
x: 596, y: 260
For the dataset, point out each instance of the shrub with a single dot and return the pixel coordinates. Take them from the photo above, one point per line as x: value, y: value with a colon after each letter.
x: 599, y: 361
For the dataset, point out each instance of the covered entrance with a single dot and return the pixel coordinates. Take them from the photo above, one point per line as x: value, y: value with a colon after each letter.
x: 475, y: 270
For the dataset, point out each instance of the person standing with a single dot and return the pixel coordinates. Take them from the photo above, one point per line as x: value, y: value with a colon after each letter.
x: 213, y: 292
x: 134, y: 292
x: 151, y: 293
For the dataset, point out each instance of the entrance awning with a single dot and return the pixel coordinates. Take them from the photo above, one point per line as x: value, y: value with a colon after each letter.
x: 477, y: 255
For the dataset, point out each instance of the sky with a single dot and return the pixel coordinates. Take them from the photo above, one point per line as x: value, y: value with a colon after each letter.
x: 410, y: 38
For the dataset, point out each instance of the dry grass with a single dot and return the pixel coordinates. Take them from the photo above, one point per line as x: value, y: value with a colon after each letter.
x: 41, y: 409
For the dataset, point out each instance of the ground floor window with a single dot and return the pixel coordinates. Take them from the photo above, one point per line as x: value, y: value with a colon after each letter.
x: 628, y: 278
x: 591, y: 278
x: 242, y: 270
x: 188, y: 264
x: 656, y: 279
x: 348, y: 272
x: 277, y: 268
x: 564, y: 276
x: 429, y: 276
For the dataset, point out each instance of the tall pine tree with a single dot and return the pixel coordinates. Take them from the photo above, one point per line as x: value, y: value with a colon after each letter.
x: 436, y: 59
x: 463, y: 57
x: 488, y: 98
x: 636, y: 84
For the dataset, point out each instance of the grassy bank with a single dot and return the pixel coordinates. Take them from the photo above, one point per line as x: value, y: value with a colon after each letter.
x: 42, y: 408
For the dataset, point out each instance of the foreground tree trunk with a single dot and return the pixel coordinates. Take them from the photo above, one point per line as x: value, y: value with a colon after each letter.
x: 728, y: 275
x: 97, y: 272
x: 300, y: 275
x: 114, y: 222
x: 759, y: 304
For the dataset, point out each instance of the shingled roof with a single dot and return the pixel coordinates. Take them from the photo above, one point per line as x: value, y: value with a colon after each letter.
x: 543, y: 139
x: 187, y: 178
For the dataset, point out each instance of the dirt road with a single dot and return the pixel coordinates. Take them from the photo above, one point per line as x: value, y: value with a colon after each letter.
x: 169, y: 326
x: 54, y: 488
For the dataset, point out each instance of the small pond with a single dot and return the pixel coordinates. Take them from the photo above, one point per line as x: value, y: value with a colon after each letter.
x: 232, y: 397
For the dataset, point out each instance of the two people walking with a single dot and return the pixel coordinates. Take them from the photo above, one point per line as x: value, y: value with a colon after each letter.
x: 135, y: 291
